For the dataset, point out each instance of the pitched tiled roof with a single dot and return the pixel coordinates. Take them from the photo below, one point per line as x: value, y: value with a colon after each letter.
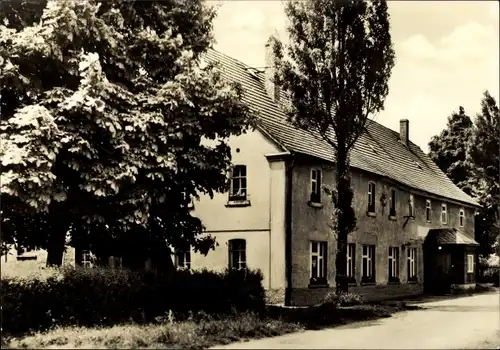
x: 449, y: 236
x: 378, y: 150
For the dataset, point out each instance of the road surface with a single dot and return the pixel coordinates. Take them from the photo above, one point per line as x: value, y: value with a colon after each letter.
x: 461, y: 323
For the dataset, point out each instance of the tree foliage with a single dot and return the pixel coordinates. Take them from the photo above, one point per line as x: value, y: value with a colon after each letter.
x: 106, y: 108
x: 449, y: 149
x: 468, y: 153
x: 484, y: 157
x: 336, y: 73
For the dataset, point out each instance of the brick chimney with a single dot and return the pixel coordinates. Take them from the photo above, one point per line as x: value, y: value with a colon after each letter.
x: 404, y: 131
x: 272, y: 89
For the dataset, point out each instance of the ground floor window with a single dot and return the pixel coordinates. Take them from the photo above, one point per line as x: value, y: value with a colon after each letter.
x: 237, y: 254
x: 318, y: 262
x: 412, y: 264
x: 183, y: 259
x: 351, y: 261
x: 368, y: 266
x: 470, y: 263
x: 393, y: 264
x: 87, y: 259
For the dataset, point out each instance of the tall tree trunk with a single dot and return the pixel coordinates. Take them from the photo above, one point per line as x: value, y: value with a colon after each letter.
x: 344, y: 206
x: 57, y: 239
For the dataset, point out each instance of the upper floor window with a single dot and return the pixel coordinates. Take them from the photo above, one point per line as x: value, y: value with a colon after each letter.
x: 238, y: 189
x: 183, y: 259
x: 368, y: 266
x: 351, y: 261
x: 428, y: 210
x: 462, y: 217
x: 315, y: 186
x: 371, y: 197
x: 411, y: 206
x: 318, y: 262
x: 392, y: 209
x: 237, y: 254
x: 444, y: 214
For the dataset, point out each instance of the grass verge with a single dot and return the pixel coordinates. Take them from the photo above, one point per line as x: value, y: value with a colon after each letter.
x: 203, y: 332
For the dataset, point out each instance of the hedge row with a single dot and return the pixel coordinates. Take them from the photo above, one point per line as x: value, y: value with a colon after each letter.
x: 93, y: 297
x: 491, y: 275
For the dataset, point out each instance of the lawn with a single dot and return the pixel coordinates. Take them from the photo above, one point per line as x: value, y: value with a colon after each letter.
x: 204, y: 331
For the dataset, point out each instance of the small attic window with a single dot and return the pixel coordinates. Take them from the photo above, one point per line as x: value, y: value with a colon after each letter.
x: 372, y: 148
x: 253, y: 72
x: 418, y: 165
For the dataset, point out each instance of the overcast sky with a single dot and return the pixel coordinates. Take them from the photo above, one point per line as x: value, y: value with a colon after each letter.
x: 447, y: 55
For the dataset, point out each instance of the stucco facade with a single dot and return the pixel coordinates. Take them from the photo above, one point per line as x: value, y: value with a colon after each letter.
x: 260, y: 221
x: 311, y: 223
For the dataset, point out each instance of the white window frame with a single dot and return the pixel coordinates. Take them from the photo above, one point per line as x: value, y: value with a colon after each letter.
x: 87, y: 260
x: 470, y: 263
x: 428, y: 210
x: 372, y: 190
x: 351, y: 260
x: 411, y: 263
x: 241, y: 254
x: 394, y: 262
x: 368, y: 254
x: 411, y: 206
x: 316, y: 184
x: 444, y: 214
x: 242, y: 191
x: 461, y: 217
x: 185, y: 262
x: 392, y: 204
x: 321, y: 261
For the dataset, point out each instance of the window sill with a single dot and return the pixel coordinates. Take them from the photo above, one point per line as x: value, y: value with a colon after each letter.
x: 428, y: 221
x: 392, y: 217
x: 238, y: 203
x: 318, y: 285
x: 352, y: 284
x: 372, y: 214
x: 393, y: 282
x: 315, y: 205
x: 412, y: 281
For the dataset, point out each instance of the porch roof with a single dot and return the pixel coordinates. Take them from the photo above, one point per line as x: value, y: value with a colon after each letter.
x: 450, y: 236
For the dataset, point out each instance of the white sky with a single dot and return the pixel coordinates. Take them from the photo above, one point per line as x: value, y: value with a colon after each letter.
x: 447, y: 55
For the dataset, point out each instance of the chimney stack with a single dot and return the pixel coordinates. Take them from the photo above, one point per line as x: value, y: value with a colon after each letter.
x: 404, y: 131
x: 271, y: 88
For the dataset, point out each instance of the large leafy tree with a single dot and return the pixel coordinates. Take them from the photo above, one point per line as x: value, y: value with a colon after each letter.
x: 449, y: 149
x: 336, y: 73
x: 484, y: 158
x: 106, y: 108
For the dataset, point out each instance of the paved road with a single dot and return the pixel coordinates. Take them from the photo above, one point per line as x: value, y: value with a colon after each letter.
x: 461, y: 323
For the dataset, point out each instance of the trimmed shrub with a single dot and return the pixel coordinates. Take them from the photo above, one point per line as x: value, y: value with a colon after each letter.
x: 346, y: 299
x: 93, y: 297
x: 490, y: 275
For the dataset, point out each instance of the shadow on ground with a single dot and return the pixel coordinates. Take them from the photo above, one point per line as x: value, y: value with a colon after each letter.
x: 326, y: 316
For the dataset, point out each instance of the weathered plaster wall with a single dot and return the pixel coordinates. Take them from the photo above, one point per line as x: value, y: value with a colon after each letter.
x: 312, y: 223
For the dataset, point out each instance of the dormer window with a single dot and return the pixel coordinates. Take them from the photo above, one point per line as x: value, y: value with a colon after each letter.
x: 418, y: 165
x: 238, y: 191
x: 371, y: 197
x: 462, y: 217
x: 315, y: 186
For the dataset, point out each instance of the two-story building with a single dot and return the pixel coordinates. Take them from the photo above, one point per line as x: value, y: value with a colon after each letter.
x: 415, y: 228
